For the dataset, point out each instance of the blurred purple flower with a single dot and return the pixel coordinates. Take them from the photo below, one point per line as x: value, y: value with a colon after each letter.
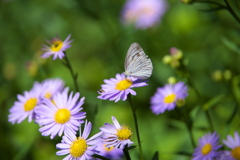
x: 56, y: 47
x: 207, y: 147
x: 60, y: 115
x: 115, y: 135
x: 234, y: 144
x: 49, y: 87
x: 79, y: 148
x: 143, y: 13
x: 166, y: 97
x: 119, y: 87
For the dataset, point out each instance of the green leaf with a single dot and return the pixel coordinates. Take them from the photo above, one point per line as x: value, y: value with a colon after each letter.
x: 212, y: 102
x: 230, y: 45
x: 194, y: 112
x: 155, y: 156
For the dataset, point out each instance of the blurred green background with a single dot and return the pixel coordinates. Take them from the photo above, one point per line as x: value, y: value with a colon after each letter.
x: 209, y: 41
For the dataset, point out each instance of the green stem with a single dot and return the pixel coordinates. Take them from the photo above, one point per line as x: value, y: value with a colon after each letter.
x: 74, y: 76
x: 188, y: 125
x: 126, y: 153
x: 191, y: 137
x: 227, y: 7
x: 134, y: 109
x: 232, y: 11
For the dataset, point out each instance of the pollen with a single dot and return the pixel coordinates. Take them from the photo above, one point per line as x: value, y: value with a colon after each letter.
x: 124, y: 133
x: 170, y: 98
x: 108, y: 149
x: 206, y: 149
x: 48, y: 95
x: 54, y: 102
x: 56, y: 45
x: 236, y: 153
x: 30, y: 104
x: 62, y: 115
x: 78, y: 147
x: 123, y: 84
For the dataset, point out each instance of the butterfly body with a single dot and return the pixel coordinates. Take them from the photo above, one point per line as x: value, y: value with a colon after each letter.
x: 137, y: 63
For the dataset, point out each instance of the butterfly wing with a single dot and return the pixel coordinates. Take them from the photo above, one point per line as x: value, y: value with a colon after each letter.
x: 137, y: 63
x: 133, y: 50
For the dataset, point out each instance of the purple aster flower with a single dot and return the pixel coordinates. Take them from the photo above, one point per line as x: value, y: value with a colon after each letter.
x: 79, y: 148
x: 50, y: 87
x: 57, y: 48
x: 119, y: 87
x: 234, y: 144
x: 167, y: 97
x: 207, y: 147
x: 116, y: 135
x: 109, y: 152
x: 143, y: 13
x: 60, y: 115
x: 25, y: 107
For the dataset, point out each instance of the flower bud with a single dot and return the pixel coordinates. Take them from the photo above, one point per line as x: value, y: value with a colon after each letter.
x: 175, y: 63
x: 227, y: 75
x: 217, y: 75
x: 167, y: 59
x: 32, y: 68
x: 172, y: 80
x: 187, y: 1
x: 176, y: 53
x: 9, y: 71
x: 180, y: 102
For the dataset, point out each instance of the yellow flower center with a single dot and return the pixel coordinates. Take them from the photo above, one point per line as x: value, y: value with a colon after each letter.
x: 123, y: 84
x: 206, y: 149
x: 124, y: 133
x: 108, y: 149
x: 56, y: 45
x: 48, y: 95
x: 78, y: 147
x: 236, y: 153
x: 62, y: 115
x: 30, y: 104
x: 170, y: 98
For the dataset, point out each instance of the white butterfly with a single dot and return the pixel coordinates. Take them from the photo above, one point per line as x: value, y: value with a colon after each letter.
x: 137, y: 63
